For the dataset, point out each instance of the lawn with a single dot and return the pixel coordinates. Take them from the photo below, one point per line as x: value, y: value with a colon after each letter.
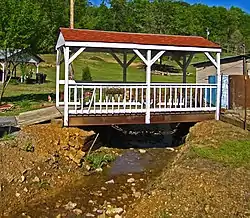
x: 235, y: 153
x: 102, y: 68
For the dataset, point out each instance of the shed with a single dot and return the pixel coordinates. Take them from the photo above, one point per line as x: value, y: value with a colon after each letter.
x: 17, y: 56
x: 232, y: 65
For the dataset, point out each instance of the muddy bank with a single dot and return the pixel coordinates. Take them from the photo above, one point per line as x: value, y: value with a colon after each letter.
x: 125, y: 180
x: 39, y: 180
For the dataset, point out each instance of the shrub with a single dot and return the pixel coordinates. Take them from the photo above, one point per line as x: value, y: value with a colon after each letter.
x: 86, y: 75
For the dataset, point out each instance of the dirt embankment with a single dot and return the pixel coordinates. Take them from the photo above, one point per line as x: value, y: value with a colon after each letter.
x: 197, y: 187
x: 40, y: 156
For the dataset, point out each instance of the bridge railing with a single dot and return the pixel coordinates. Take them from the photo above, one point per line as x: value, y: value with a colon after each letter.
x: 124, y: 98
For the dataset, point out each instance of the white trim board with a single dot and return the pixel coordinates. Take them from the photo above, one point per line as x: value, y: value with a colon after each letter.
x: 134, y: 46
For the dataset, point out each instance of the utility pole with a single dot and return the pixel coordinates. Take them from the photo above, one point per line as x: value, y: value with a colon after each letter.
x: 72, y: 14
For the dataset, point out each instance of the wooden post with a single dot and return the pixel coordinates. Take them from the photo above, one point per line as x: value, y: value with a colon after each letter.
x: 66, y: 87
x: 218, y: 97
x: 245, y: 94
x: 148, y: 81
x: 72, y: 14
x: 124, y: 67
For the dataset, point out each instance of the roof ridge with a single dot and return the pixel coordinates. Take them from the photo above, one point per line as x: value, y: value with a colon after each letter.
x: 154, y: 34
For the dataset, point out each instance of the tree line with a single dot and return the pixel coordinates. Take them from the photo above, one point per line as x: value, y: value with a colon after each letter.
x: 35, y: 24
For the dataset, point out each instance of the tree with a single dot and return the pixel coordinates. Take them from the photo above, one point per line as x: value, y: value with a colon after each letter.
x: 20, y: 27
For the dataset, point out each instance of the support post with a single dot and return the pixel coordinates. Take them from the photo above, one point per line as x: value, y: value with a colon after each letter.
x: 148, y: 81
x: 58, y: 54
x: 124, y: 67
x: 37, y: 68
x: 148, y: 61
x: 217, y: 115
x: 66, y: 87
x: 3, y: 73
x: 184, y: 69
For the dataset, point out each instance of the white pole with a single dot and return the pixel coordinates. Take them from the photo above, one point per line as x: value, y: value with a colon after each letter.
x: 66, y: 87
x: 184, y: 78
x: 3, y: 68
x: 37, y: 68
x: 148, y: 81
x: 57, y: 76
x: 217, y: 116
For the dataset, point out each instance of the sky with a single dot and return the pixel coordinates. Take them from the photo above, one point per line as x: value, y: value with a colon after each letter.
x: 243, y: 4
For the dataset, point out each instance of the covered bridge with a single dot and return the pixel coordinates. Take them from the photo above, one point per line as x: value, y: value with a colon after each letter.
x: 95, y: 103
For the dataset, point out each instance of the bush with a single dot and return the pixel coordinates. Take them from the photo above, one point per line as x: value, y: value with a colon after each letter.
x: 86, y: 75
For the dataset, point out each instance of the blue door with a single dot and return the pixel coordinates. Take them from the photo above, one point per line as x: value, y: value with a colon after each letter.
x: 224, y: 90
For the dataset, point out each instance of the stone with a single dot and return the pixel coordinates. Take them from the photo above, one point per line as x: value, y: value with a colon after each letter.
x: 91, y: 202
x: 207, y: 208
x: 23, y: 178
x: 87, y: 167
x: 17, y: 194
x: 119, y: 198
x: 131, y: 180
x: 103, y: 188
x: 36, y: 179
x: 99, y: 170
x: 89, y: 215
x: 112, y: 211
x: 142, y: 151
x: 1, y: 187
x: 118, y: 216
x: 137, y: 194
x: 70, y: 205
x: 124, y: 196
x: 110, y: 182
x: 99, y: 211
x: 170, y: 149
x: 77, y: 211
x: 25, y: 189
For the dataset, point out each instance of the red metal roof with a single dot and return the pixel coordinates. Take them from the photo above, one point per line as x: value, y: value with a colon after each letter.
x: 83, y: 35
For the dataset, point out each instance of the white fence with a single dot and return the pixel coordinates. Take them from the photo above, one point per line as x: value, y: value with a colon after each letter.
x: 125, y: 98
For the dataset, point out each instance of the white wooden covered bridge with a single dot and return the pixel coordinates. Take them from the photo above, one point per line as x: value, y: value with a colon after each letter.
x: 95, y: 103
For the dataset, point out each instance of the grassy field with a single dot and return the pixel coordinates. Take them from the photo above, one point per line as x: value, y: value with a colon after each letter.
x: 102, y: 68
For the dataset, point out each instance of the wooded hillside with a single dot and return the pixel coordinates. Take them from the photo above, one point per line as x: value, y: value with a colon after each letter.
x: 35, y: 23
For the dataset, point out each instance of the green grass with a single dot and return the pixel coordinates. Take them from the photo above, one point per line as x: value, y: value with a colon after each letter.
x: 98, y: 160
x: 234, y: 153
x: 7, y: 137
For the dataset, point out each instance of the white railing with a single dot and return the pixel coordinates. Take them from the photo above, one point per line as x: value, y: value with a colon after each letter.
x: 123, y: 98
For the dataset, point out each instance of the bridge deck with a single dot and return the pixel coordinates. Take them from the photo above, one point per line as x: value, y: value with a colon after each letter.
x: 121, y: 119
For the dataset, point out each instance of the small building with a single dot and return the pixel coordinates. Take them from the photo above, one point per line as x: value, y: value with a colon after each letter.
x: 15, y: 57
x: 232, y: 65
